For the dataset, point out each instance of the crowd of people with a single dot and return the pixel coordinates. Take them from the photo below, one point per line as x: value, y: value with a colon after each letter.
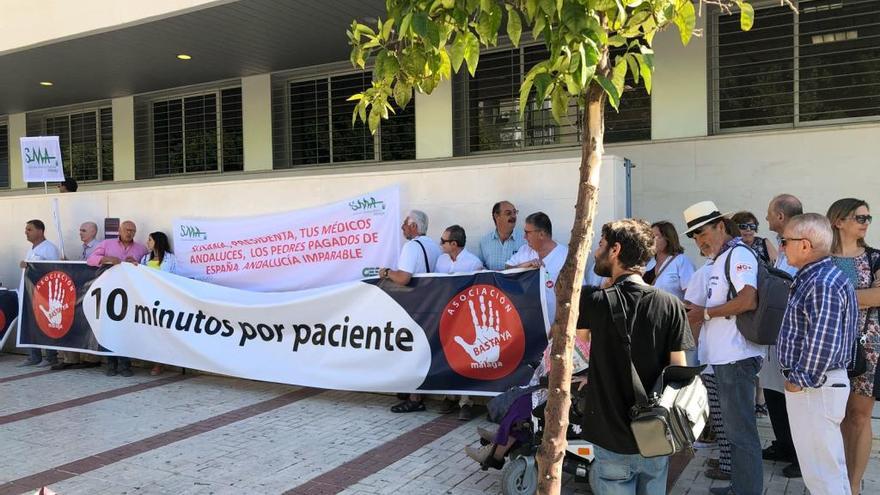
x: 676, y: 314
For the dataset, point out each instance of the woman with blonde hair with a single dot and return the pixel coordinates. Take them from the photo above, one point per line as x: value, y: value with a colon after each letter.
x: 850, y: 219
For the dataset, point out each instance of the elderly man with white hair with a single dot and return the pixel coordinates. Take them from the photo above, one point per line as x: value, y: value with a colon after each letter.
x: 814, y: 348
x: 418, y: 255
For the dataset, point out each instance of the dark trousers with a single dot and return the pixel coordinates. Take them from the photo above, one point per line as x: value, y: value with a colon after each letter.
x: 779, y: 420
x: 125, y: 363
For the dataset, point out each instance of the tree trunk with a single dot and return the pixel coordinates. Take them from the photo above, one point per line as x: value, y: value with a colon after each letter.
x: 568, y: 291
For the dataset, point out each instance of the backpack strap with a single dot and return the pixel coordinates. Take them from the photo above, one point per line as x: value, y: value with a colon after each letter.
x: 425, y: 254
x: 618, y: 316
x: 731, y: 290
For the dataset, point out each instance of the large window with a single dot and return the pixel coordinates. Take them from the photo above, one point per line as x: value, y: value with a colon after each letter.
x: 821, y: 63
x: 4, y: 155
x: 318, y: 129
x: 197, y: 133
x: 487, y: 118
x: 86, y: 139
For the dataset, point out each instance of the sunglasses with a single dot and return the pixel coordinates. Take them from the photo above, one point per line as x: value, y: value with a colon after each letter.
x: 748, y: 226
x: 784, y: 241
x: 697, y: 232
x: 444, y: 241
x: 863, y: 219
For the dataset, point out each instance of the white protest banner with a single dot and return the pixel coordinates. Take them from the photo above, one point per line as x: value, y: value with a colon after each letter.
x: 41, y: 159
x: 301, y: 249
x: 470, y: 333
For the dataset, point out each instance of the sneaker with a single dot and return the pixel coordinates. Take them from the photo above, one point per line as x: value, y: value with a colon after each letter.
x: 27, y: 363
x: 111, y: 372
x: 792, y: 471
x: 466, y: 413
x: 717, y: 474
x: 126, y: 372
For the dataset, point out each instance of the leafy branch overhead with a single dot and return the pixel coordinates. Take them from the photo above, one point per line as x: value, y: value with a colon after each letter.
x: 422, y: 42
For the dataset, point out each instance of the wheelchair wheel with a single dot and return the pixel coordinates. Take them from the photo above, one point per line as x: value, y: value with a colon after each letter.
x: 519, y: 476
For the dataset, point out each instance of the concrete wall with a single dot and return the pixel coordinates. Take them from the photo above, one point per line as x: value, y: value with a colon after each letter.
x: 449, y: 191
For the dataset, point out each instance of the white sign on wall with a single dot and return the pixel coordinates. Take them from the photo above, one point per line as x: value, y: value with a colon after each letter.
x: 41, y: 159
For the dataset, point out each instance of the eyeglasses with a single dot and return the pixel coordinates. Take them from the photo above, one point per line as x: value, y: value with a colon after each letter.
x: 784, y: 241
x: 509, y: 213
x: 444, y: 241
x: 862, y: 219
x: 748, y: 226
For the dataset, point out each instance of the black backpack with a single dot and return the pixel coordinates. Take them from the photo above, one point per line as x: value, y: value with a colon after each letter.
x: 762, y: 324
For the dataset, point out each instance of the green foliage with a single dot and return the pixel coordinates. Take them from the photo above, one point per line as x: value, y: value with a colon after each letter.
x: 423, y: 42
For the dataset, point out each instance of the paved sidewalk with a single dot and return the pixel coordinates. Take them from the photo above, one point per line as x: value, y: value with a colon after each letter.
x: 81, y: 432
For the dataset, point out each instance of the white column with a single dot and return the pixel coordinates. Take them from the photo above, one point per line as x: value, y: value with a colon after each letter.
x: 123, y: 139
x: 256, y: 102
x: 679, y: 96
x: 17, y: 126
x: 434, y: 123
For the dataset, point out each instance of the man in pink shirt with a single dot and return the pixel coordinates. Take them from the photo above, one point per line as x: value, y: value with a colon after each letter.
x: 113, y: 252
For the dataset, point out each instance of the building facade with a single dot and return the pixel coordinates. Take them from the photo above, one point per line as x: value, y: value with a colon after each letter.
x: 213, y: 108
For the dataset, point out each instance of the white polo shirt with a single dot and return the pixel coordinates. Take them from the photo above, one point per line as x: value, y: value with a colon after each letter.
x: 464, y: 262
x: 675, y: 275
x: 720, y: 340
x: 552, y: 266
x: 696, y: 293
x: 43, y: 251
x: 412, y: 258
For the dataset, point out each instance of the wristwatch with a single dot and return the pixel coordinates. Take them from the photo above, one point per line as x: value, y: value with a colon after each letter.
x: 706, y: 316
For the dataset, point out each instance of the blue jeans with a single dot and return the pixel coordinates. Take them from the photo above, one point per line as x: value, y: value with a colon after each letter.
x: 736, y: 384
x: 36, y: 356
x: 627, y: 474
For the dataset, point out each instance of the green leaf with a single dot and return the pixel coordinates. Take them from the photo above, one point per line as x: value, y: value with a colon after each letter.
x: 542, y: 84
x: 524, y: 91
x: 486, y: 5
x: 540, y: 23
x: 448, y: 4
x: 428, y: 84
x: 648, y: 56
x: 471, y: 52
x: 559, y: 105
x: 601, y: 4
x: 531, y: 9
x: 488, y: 25
x: 374, y: 119
x: 618, y: 75
x: 402, y: 93
x: 445, y: 70
x: 356, y: 97
x: 404, y: 25
x: 456, y: 51
x: 386, y: 29
x: 433, y: 35
x: 574, y: 18
x: 633, y: 66
x: 420, y: 24
x: 616, y: 40
x: 548, y: 6
x: 610, y: 90
x: 746, y: 15
x: 514, y: 26
x: 645, y: 71
x: 686, y: 20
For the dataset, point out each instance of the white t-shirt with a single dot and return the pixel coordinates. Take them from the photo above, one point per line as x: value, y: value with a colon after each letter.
x: 675, y: 275
x: 412, y: 258
x: 43, y: 251
x: 552, y: 266
x: 720, y: 340
x: 696, y: 294
x: 464, y: 262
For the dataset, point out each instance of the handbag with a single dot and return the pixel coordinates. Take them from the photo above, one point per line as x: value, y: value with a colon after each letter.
x: 672, y: 418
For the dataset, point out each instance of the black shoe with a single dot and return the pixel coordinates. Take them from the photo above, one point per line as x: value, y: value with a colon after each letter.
x: 466, y: 413
x: 111, y: 372
x: 792, y: 471
x: 126, y: 372
x: 774, y: 453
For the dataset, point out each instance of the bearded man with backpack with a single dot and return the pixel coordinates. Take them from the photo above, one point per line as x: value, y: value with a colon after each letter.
x: 734, y: 359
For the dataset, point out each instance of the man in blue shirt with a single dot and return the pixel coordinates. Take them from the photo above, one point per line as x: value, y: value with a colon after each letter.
x: 504, y: 240
x: 814, y: 348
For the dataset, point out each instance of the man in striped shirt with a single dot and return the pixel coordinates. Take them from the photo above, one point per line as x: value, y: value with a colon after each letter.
x: 814, y: 348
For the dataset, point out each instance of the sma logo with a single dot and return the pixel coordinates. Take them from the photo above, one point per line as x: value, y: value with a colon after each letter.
x: 366, y: 204
x: 192, y: 232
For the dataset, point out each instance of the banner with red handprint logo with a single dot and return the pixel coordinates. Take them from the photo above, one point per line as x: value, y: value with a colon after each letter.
x: 477, y: 333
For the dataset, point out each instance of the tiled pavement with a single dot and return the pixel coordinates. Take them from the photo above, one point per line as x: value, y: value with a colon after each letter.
x: 83, y: 433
